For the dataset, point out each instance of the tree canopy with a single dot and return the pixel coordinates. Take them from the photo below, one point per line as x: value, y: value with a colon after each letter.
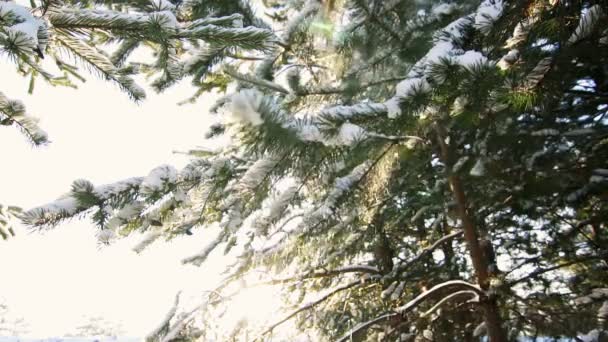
x: 401, y: 170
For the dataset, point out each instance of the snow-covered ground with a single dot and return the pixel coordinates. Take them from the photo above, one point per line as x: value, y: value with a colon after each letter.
x: 68, y: 339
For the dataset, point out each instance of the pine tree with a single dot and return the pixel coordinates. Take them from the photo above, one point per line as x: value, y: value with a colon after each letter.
x: 425, y: 171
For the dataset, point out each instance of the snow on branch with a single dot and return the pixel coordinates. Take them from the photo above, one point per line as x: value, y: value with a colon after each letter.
x: 487, y: 13
x: 12, y: 112
x: 330, y: 126
x: 245, y: 106
x: 25, y: 32
x: 70, y: 18
x: 137, y: 25
x: 265, y: 68
x: 447, y: 298
x: 83, y: 197
x: 156, y: 334
x: 257, y: 173
x: 147, y: 240
x: 249, y: 37
x: 233, y: 20
x: 181, y: 323
x: 200, y: 257
x: 161, y: 189
x: 344, y: 113
x: 364, y: 325
x: 445, y: 49
x: 310, y: 9
x: 159, y: 179
x: 341, y: 186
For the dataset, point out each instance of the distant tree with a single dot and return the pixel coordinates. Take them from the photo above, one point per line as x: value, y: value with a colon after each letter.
x: 98, y: 327
x: 11, y: 325
x: 404, y: 170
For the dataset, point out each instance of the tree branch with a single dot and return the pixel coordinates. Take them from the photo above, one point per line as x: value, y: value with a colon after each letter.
x: 448, y: 298
x: 553, y: 268
x: 322, y: 274
x: 426, y: 251
x: 260, y: 82
x: 314, y: 303
x: 402, y: 310
x: 363, y: 326
x: 342, y: 88
x: 155, y: 334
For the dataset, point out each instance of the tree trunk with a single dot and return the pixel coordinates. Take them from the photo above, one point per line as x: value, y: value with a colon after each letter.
x: 448, y: 250
x: 491, y: 313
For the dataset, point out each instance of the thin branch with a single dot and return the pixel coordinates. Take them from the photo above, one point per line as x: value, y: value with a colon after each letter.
x: 312, y: 304
x: 396, y: 138
x: 152, y: 336
x: 260, y: 82
x: 426, y: 251
x: 245, y: 58
x: 363, y: 326
x: 448, y: 298
x: 402, y: 310
x: 187, y: 317
x: 198, y: 258
x: 321, y: 274
x: 553, y: 268
x: 423, y: 296
x: 328, y: 90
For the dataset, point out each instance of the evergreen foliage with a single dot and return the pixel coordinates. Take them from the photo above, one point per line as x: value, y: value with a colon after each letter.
x: 103, y: 35
x: 402, y: 170
x: 41, y: 41
x: 8, y: 216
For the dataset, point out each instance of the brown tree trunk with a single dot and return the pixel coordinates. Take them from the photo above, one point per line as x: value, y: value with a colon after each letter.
x: 447, y: 249
x: 491, y: 313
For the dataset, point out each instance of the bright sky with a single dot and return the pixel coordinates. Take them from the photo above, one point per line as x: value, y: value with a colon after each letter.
x: 97, y: 133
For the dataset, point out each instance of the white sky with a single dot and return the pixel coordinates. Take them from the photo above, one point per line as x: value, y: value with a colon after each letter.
x: 97, y: 133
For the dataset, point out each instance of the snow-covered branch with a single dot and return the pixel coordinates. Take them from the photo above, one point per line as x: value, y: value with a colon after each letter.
x: 364, y: 325
x: 448, y: 284
x: 402, y: 310
x: 156, y: 334
x: 200, y: 257
x: 13, y: 112
x: 447, y: 298
x: 445, y: 49
x: 72, y: 203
